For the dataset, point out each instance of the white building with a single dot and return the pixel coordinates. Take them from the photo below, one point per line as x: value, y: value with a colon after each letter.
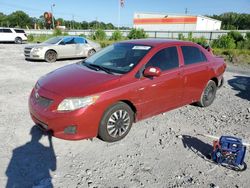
x: 174, y: 22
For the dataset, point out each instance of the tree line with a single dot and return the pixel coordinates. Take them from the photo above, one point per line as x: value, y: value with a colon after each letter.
x: 233, y: 21
x: 22, y: 20
x: 230, y: 21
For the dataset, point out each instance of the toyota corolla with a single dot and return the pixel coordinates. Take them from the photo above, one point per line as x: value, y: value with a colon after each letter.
x: 122, y: 84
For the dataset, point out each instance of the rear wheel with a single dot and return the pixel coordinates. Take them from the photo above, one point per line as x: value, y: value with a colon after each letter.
x: 50, y: 56
x: 91, y: 52
x: 18, y: 40
x: 116, y: 122
x: 208, y: 94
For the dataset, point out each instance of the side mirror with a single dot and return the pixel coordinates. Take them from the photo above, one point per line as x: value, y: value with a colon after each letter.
x: 38, y: 42
x: 62, y: 43
x: 152, y: 72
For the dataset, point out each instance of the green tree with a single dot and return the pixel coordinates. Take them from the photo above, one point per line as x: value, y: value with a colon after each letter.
x: 137, y: 34
x: 60, y: 20
x: 41, y: 22
x: 116, y: 35
x: 57, y: 32
x: 3, y: 20
x: 248, y: 35
x: 233, y: 21
x: 19, y: 19
x: 84, y: 25
x: 181, y: 36
x: 110, y: 26
x: 236, y: 36
x: 225, y: 42
x: 99, y: 35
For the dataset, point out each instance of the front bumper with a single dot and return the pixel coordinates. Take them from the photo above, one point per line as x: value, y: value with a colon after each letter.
x: 85, y: 120
x: 30, y: 54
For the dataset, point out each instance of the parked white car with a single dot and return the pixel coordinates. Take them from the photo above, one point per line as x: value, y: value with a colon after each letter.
x: 12, y: 35
x: 61, y: 48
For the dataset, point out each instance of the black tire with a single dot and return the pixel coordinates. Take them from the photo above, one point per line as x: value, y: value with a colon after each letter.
x: 242, y: 167
x: 116, y: 122
x: 91, y: 52
x: 208, y: 94
x: 18, y: 40
x: 50, y: 56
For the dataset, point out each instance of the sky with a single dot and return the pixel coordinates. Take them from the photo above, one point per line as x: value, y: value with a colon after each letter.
x: 108, y: 11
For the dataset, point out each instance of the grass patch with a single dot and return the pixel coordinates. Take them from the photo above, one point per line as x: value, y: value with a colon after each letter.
x: 105, y: 43
x: 38, y: 38
x: 235, y: 56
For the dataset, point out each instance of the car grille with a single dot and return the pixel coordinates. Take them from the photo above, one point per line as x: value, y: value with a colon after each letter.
x: 42, y: 101
x: 27, y: 52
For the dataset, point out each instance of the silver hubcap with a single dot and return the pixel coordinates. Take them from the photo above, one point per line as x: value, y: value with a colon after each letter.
x: 91, y: 52
x: 18, y: 41
x: 209, y: 93
x: 118, y: 123
x: 51, y: 56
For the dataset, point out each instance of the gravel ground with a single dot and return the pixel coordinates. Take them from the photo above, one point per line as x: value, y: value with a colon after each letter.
x: 163, y: 151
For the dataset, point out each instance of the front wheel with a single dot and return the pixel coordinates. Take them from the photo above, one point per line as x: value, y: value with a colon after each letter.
x: 50, y: 56
x: 208, y: 94
x: 18, y: 40
x: 116, y: 122
x: 91, y: 52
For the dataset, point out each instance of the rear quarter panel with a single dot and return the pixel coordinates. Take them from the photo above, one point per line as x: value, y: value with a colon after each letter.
x: 217, y: 67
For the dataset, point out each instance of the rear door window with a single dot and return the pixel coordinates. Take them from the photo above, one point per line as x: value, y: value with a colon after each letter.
x: 69, y: 40
x: 165, y: 59
x: 192, y: 54
x: 7, y: 31
x: 19, y: 31
x: 79, y: 40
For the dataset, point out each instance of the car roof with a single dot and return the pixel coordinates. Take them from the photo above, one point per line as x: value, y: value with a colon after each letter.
x: 156, y: 42
x: 10, y: 28
x: 70, y: 36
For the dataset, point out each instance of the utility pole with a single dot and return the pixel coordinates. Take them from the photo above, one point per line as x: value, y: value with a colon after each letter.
x: 53, y: 23
x: 73, y: 20
x: 186, y: 11
x: 119, y: 13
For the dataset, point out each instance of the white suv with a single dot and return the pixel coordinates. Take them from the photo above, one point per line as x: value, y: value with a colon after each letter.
x: 12, y: 35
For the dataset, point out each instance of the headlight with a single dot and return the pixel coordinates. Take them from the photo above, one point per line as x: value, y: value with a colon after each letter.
x: 35, y: 50
x: 70, y: 104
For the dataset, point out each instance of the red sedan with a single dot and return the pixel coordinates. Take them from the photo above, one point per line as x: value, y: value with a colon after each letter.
x: 124, y: 83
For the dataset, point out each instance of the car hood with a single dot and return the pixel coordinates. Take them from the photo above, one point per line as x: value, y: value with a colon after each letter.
x: 76, y: 80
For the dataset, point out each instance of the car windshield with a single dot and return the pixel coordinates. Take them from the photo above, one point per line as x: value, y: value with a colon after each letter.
x: 53, y: 40
x: 118, y: 58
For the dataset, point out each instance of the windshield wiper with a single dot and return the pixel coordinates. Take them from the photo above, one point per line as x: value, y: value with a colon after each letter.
x: 98, y: 67
x: 90, y: 66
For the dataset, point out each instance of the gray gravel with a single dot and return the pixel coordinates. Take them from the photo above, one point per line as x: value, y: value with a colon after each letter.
x: 163, y: 151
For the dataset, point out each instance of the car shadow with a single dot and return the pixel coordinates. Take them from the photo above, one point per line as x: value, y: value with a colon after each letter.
x: 241, y: 84
x: 37, y: 60
x: 2, y: 42
x: 199, y: 147
x: 31, y: 163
